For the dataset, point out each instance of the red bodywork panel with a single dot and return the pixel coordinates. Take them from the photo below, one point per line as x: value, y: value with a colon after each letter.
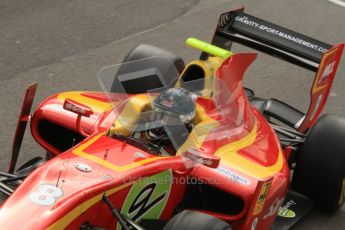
x: 252, y: 166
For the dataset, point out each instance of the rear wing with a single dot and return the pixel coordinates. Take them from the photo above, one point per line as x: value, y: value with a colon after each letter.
x: 320, y: 57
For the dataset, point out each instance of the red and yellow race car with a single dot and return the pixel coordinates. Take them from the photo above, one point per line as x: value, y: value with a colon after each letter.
x: 175, y: 146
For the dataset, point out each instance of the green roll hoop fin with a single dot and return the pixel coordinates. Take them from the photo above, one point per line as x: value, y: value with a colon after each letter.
x: 208, y: 48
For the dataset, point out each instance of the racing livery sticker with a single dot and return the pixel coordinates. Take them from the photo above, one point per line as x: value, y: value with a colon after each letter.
x: 327, y: 71
x: 282, y: 34
x: 317, y: 106
x: 254, y: 224
x: 285, y: 210
x: 274, y: 208
x: 147, y: 198
x: 262, y: 197
x: 232, y: 176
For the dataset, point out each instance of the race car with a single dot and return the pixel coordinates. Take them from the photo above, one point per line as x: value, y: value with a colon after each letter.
x: 175, y: 146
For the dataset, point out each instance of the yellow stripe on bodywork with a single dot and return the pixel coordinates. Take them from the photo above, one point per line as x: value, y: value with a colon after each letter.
x: 73, y: 214
x: 80, y: 152
x: 229, y: 153
x: 95, y: 105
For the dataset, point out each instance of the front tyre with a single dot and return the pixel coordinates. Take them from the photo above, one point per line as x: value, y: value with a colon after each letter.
x: 190, y: 220
x: 320, y: 168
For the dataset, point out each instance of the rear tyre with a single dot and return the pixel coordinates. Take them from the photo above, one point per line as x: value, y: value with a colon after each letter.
x: 145, y: 51
x: 320, y: 168
x: 190, y: 220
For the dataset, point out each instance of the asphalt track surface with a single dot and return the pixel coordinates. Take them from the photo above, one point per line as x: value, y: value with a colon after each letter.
x: 62, y: 45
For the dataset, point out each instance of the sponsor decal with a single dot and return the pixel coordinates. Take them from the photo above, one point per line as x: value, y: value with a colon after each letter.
x: 274, y: 208
x: 46, y: 194
x: 262, y: 198
x: 139, y: 154
x: 77, y: 108
x: 147, y: 198
x: 167, y: 103
x: 224, y: 19
x: 142, y: 202
x: 199, y: 158
x: 233, y: 176
x: 327, y: 71
x: 285, y: 210
x: 254, y: 224
x: 316, y: 108
x: 245, y: 20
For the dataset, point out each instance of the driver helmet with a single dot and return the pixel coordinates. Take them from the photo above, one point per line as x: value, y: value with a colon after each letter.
x: 176, y: 102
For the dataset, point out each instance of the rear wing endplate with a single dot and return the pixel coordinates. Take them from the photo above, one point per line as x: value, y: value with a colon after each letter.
x: 320, y: 57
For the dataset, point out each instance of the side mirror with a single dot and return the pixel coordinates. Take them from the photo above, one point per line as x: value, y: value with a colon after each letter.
x: 78, y: 108
x: 199, y: 157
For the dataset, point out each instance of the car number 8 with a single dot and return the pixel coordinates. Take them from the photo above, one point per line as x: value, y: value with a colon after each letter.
x: 45, y: 195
